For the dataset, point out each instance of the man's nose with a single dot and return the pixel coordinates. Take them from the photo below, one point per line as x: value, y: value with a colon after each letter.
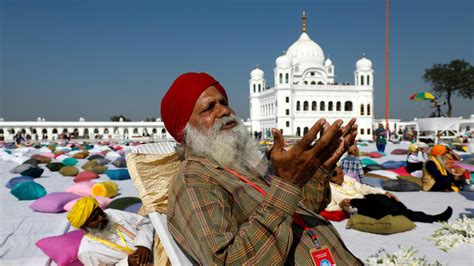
x: 223, y: 110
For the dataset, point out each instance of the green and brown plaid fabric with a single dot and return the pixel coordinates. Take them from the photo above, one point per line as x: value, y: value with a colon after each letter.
x: 219, y: 219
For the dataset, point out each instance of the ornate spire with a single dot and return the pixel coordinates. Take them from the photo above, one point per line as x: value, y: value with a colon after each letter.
x: 304, y: 21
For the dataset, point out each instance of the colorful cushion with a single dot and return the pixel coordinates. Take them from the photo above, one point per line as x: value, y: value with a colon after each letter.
x: 81, y: 188
x: 41, y: 158
x: 400, y: 171
x: 385, y: 226
x: 55, y: 166
x: 120, y: 163
x: 375, y: 154
x: 151, y: 175
x: 88, y: 165
x: 53, y: 202
x: 123, y: 203
x: 375, y: 182
x: 85, y: 176
x: 334, y: 215
x: 399, y: 152
x: 367, y: 161
x: 69, y: 161
x: 385, y: 174
x: 95, y: 156
x: 17, y: 180
x: 99, y: 169
x: 400, y: 185
x: 102, y: 161
x: 410, y: 178
x: 20, y: 168
x: 394, y: 164
x: 134, y: 208
x: 33, y: 172
x: 118, y: 174
x: 28, y: 191
x: 62, y: 249
x: 69, y: 171
x: 105, y: 189
x: 103, y: 203
x: 81, y: 155
x: 32, y: 162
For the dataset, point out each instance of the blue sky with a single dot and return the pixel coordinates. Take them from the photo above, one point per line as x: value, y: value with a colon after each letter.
x: 67, y: 59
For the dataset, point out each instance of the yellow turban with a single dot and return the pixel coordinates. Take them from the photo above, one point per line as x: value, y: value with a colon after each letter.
x: 413, y: 147
x: 81, y: 211
x: 438, y: 150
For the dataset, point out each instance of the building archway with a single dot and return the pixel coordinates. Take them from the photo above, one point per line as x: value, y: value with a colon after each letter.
x: 298, y: 131
x: 305, y: 130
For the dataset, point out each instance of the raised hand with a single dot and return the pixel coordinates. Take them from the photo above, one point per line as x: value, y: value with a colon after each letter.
x: 300, y: 163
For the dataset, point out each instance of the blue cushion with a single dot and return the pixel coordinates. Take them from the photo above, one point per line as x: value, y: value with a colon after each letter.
x: 394, y: 164
x: 118, y: 174
x: 28, y: 191
x: 134, y: 208
x: 17, y: 180
x: 375, y: 182
x: 33, y: 172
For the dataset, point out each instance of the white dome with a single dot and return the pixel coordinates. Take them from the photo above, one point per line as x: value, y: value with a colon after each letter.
x: 364, y: 64
x: 304, y: 50
x: 257, y: 73
x: 328, y: 62
x: 283, y: 61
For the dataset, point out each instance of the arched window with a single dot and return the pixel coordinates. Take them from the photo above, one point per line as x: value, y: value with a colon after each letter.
x: 368, y: 80
x: 305, y: 106
x: 368, y: 131
x: 163, y: 131
x: 361, y: 109
x: 287, y: 77
x: 320, y: 83
x: 55, y: 131
x: 281, y: 78
x: 298, y: 131
x: 297, y: 105
x: 362, y: 131
x: 254, y: 88
x: 305, y: 82
x: 322, y: 106
x: 338, y: 106
x: 313, y: 82
x: 361, y: 80
x: 305, y: 130
x: 368, y: 109
x: 313, y: 106
x: 348, y: 106
x: 259, y: 87
x: 330, y: 106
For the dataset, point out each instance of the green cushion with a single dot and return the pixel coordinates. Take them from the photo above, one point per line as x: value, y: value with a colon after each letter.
x: 88, y: 166
x: 54, y: 167
x: 99, y: 169
x: 384, y: 226
x: 123, y: 203
x: 69, y: 161
x: 367, y: 161
x: 410, y: 178
x: 28, y: 191
x: 69, y: 171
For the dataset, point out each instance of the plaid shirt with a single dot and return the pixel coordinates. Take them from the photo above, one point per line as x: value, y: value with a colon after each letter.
x: 219, y: 219
x: 351, y: 164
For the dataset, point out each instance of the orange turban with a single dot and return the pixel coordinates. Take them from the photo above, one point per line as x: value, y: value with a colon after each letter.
x: 438, y: 150
x: 178, y: 103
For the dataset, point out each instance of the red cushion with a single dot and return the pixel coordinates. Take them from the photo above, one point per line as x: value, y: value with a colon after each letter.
x: 399, y: 171
x: 334, y: 215
x: 375, y: 154
x: 85, y: 176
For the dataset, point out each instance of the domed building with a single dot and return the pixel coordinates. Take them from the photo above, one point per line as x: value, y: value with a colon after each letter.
x: 305, y: 90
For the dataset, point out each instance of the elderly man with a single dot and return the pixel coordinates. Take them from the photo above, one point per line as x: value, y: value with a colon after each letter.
x: 111, y: 236
x: 224, y: 206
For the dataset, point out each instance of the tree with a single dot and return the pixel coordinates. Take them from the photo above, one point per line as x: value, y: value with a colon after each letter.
x: 455, y: 78
x: 116, y: 118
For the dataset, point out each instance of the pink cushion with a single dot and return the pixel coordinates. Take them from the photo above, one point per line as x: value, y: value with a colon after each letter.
x: 375, y: 154
x: 400, y: 171
x: 85, y: 176
x: 62, y: 249
x: 53, y: 202
x: 81, y: 188
x: 103, y: 203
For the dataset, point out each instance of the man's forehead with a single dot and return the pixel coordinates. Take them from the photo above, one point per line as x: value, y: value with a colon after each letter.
x: 210, y: 94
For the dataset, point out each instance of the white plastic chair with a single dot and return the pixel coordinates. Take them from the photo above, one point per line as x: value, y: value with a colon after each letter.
x: 175, y: 254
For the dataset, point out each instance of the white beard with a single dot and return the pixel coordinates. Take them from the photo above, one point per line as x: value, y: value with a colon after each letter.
x: 232, y: 148
x: 106, y: 232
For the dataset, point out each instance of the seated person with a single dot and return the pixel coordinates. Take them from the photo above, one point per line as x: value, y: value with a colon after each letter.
x: 224, y: 210
x: 111, y: 236
x: 415, y: 160
x: 352, y: 165
x: 352, y: 196
x: 436, y: 176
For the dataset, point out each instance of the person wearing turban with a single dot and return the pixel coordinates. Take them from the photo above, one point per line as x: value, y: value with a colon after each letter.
x: 225, y: 206
x: 416, y: 158
x: 111, y: 236
x: 436, y: 175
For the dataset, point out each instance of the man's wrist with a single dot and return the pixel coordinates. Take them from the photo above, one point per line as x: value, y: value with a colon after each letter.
x: 324, y: 174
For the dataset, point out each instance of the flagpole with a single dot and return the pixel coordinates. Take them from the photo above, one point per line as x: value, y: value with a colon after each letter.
x: 386, y: 65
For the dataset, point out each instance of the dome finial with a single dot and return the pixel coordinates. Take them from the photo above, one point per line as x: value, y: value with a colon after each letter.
x: 363, y: 54
x: 304, y: 21
x: 257, y: 66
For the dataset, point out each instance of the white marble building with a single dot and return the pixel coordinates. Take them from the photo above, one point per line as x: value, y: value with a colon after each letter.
x: 305, y: 89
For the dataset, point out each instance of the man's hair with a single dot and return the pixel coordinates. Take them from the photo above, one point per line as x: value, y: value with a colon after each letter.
x: 353, y: 150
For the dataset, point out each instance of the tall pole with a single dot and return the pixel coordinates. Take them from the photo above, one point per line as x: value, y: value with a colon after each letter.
x: 386, y: 65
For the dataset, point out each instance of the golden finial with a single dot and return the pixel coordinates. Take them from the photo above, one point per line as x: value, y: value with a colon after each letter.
x: 304, y: 21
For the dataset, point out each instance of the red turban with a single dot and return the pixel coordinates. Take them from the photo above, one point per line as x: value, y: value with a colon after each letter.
x: 178, y: 103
